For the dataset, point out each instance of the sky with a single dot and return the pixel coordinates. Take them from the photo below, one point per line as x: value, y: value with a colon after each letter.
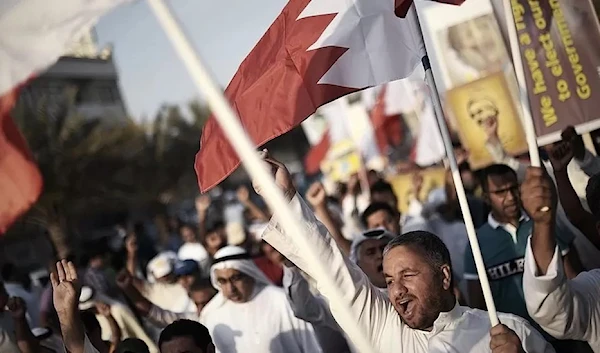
x: 150, y: 72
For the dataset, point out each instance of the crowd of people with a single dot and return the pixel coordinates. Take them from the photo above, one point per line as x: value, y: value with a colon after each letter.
x: 410, y: 279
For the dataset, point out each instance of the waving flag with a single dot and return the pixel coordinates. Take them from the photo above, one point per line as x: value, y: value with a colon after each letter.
x: 33, y: 35
x: 314, y: 52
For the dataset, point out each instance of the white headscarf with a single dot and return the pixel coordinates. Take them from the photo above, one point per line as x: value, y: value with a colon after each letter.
x: 378, y: 233
x: 232, y: 257
x: 235, y: 257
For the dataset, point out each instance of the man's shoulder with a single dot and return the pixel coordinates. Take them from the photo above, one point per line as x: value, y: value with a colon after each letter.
x: 514, y: 322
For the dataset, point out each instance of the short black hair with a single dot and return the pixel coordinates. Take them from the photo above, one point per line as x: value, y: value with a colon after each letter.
x: 9, y: 272
x: 201, y: 283
x: 215, y: 226
x: 132, y: 345
x: 382, y: 186
x: 376, y: 207
x: 494, y: 170
x: 186, y: 225
x: 592, y: 195
x: 428, y: 244
x: 186, y: 328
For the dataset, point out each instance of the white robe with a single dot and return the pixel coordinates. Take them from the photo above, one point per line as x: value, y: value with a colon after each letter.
x: 462, y: 329
x: 264, y: 324
x: 566, y: 309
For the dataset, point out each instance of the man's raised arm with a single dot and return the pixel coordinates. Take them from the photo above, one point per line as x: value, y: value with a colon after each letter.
x: 368, y: 304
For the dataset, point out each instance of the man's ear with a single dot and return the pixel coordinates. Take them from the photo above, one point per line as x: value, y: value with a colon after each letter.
x: 210, y: 348
x: 447, y: 277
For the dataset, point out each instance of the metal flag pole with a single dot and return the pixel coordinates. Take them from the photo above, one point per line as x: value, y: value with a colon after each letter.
x: 255, y: 166
x: 458, y: 184
x: 527, y: 120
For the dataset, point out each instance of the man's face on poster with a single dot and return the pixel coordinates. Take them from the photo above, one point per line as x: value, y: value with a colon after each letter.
x: 484, y: 112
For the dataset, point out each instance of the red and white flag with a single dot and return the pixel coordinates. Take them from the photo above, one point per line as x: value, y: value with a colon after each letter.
x: 33, y: 35
x: 314, y: 52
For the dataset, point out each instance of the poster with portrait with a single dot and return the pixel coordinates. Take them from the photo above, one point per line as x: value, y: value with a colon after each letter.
x: 464, y: 42
x: 482, y: 106
x: 432, y: 178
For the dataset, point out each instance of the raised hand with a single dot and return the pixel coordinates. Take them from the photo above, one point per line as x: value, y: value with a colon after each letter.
x: 417, y: 184
x: 316, y: 195
x: 131, y: 245
x: 103, y: 309
x: 243, y: 194
x: 17, y: 308
x: 538, y: 196
x: 203, y: 203
x: 571, y: 136
x: 66, y: 288
x: 282, y: 176
x: 560, y: 155
x: 504, y: 340
x: 124, y: 280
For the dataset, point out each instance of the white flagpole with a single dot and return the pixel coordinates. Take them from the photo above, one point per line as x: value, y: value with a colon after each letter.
x: 256, y: 167
x: 458, y: 184
x: 527, y: 120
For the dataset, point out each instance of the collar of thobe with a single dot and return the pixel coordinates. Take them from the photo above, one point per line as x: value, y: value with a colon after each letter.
x: 448, y: 318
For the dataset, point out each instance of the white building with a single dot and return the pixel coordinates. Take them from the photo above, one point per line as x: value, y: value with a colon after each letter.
x: 88, y: 73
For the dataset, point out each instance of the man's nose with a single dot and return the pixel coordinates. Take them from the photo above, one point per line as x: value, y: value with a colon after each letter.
x: 398, y: 289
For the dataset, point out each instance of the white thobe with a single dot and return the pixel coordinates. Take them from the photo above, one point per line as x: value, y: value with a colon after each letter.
x: 266, y: 323
x: 313, y: 309
x: 462, y: 329
x: 566, y: 309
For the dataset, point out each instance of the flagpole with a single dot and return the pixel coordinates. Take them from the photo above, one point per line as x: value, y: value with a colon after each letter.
x: 458, y: 184
x: 527, y: 120
x: 257, y: 169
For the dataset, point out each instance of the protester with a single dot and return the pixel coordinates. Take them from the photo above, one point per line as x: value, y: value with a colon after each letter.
x: 165, y: 291
x: 66, y: 292
x: 566, y: 309
x: 16, y: 289
x: 421, y: 314
x: 579, y: 170
x: 192, y: 248
x: 186, y: 272
x: 24, y: 339
x: 561, y: 154
x: 381, y: 215
x: 185, y: 336
x: 502, y: 241
x: 317, y: 197
x: 201, y: 292
x: 95, y: 275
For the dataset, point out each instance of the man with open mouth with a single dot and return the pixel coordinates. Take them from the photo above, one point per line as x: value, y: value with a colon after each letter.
x: 420, y: 312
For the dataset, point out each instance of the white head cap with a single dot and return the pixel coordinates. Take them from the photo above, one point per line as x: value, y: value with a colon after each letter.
x: 378, y: 233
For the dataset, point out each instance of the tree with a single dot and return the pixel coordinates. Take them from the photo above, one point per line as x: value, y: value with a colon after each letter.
x: 96, y: 165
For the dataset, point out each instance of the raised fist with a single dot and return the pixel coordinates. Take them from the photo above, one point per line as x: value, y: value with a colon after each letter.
x: 17, y: 308
x: 282, y: 176
x: 538, y: 196
x: 316, y: 195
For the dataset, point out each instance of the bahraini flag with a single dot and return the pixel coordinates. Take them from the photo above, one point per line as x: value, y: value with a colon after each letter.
x: 33, y: 35
x: 314, y: 52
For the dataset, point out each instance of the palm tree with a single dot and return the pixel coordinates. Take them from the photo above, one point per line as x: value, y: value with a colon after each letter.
x: 85, y: 163
x: 96, y: 165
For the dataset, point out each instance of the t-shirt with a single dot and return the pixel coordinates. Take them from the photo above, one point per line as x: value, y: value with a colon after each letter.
x: 503, y: 250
